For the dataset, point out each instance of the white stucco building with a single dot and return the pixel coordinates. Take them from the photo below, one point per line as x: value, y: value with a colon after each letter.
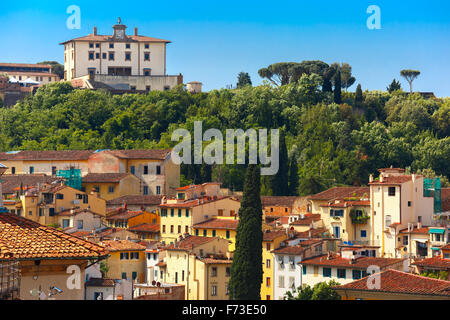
x: 397, y: 199
x: 120, y: 61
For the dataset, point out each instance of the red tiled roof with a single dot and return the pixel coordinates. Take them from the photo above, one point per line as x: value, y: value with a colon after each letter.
x: 297, y: 249
x: 315, y: 233
x: 217, y: 224
x: 145, y: 227
x: 307, y: 220
x: 25, y: 65
x: 360, y: 263
x: 275, y: 201
x: 141, y: 154
x: 435, y: 263
x: 341, y: 192
x: 104, y: 177
x: 347, y: 203
x: 189, y: 243
x: 120, y: 245
x: 136, y: 200
x: 123, y: 215
x: 394, y: 281
x: 446, y: 247
x: 99, y: 282
x: 193, y: 203
x: 48, y: 155
x: 422, y: 230
x: 108, y: 38
x: 273, y: 234
x: 394, y: 180
x: 11, y: 182
x: 27, y: 239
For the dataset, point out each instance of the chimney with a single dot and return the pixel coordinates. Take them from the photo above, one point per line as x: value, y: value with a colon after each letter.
x: 381, y: 177
x: 135, y: 31
x: 419, y: 225
x: 371, y: 178
x: 95, y: 31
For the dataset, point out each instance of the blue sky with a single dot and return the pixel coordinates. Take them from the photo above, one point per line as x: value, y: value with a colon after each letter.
x: 212, y: 41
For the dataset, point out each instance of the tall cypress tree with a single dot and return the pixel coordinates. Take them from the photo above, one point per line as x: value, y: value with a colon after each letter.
x: 337, y: 88
x: 293, y: 176
x: 358, y: 97
x: 246, y: 269
x: 279, y: 181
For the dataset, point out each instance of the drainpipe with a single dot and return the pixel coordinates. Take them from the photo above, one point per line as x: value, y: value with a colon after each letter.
x: 187, y: 276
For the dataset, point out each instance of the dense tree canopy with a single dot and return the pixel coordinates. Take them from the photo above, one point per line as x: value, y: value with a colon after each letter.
x: 334, y: 143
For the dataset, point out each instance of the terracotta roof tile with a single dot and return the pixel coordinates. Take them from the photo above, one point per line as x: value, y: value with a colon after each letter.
x: 102, y: 38
x: 48, y: 155
x: 341, y: 192
x: 11, y: 182
x: 275, y: 201
x: 435, y: 262
x: 394, y: 180
x: 27, y: 239
x: 307, y: 220
x: 141, y: 154
x: 145, y: 227
x: 120, y: 245
x: 273, y: 234
x: 122, y: 214
x: 190, y: 242
x: 217, y: 224
x: 99, y: 282
x: 422, y: 230
x: 445, y: 198
x: 136, y: 200
x: 360, y: 263
x: 394, y: 281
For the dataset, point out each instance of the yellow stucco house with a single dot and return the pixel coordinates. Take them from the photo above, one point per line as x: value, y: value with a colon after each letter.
x: 126, y: 261
x: 43, y: 204
x: 221, y: 227
x: 111, y: 185
x: 202, y: 264
x: 179, y: 216
x: 271, y: 241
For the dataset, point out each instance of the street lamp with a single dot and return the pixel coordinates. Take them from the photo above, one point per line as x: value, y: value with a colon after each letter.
x: 3, y: 169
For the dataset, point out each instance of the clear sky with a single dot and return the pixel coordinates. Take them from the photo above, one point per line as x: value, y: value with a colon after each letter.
x: 212, y: 41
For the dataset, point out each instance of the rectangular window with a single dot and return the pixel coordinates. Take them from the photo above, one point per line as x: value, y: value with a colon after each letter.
x: 363, y: 233
x: 60, y: 196
x: 111, y: 189
x: 147, y: 46
x: 327, y: 272
x: 97, y: 45
x: 13, y: 170
x: 164, y: 229
x: 268, y: 282
x: 228, y: 272
x: 124, y: 275
x: 147, y: 88
x: 409, y: 203
x: 31, y: 170
x: 111, y: 56
x: 127, y: 46
x: 145, y: 169
x: 281, y: 282
x: 91, y: 45
x: 196, y: 232
x: 214, y: 272
x: 205, y: 233
x: 111, y: 45
x: 405, y: 240
x: 158, y: 190
x: 391, y: 191
x: 214, y: 290
x: 145, y: 190
x: 171, y: 229
x: 214, y: 233
x: 51, y: 212
x: 40, y: 215
x: 91, y: 55
x: 132, y: 169
x: 228, y: 234
x: 172, y: 212
x: 80, y: 224
x: 356, y: 274
x: 179, y: 229
x: 104, y: 55
x: 179, y: 213
x: 134, y: 275
x: 97, y: 56
x: 268, y: 263
x: 53, y: 171
x: 187, y: 213
x: 127, y: 56
x: 147, y: 56
x: 186, y: 229
x: 341, y: 273
x: 158, y: 170
x: 268, y: 246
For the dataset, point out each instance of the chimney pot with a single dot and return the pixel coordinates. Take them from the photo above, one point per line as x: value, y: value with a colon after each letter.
x: 95, y: 31
x: 135, y: 31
